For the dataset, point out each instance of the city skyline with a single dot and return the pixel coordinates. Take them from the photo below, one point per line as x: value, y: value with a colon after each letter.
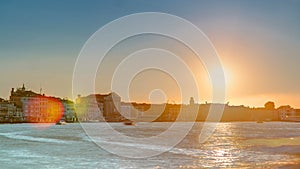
x: 171, y: 102
x: 258, y: 45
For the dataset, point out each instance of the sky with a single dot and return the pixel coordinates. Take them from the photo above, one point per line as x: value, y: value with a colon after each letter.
x: 258, y: 42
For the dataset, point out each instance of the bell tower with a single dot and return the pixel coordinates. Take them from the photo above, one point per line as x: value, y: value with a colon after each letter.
x: 192, y: 101
x: 23, y: 87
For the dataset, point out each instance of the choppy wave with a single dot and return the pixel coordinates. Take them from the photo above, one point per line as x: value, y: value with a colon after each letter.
x: 20, y: 136
x: 152, y: 147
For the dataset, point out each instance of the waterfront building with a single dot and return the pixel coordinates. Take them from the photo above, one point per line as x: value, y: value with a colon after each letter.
x: 155, y: 112
x: 128, y: 111
x: 88, y: 109
x: 170, y: 112
x: 42, y: 109
x: 69, y: 114
x: 37, y: 107
x: 99, y: 107
x: 9, y: 113
x: 112, y: 107
x: 287, y: 113
x: 173, y: 111
x: 17, y: 95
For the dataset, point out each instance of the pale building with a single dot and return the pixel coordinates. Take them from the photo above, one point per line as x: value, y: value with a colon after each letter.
x: 98, y: 107
x: 112, y: 107
x: 9, y: 113
x: 286, y: 113
x: 88, y: 109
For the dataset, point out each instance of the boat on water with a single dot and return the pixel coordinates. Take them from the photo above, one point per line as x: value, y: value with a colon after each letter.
x: 61, y: 122
x: 129, y: 123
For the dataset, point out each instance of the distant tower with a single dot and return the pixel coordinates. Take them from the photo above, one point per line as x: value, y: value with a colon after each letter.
x: 192, y: 101
x: 23, y: 87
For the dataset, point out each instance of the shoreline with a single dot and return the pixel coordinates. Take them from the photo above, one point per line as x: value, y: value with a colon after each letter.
x: 157, y: 122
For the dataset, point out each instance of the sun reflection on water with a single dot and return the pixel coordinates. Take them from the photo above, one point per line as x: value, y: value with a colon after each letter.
x: 235, y: 145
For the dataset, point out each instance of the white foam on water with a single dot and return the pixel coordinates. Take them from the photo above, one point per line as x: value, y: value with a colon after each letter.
x: 19, y: 136
x: 152, y: 147
x: 21, y: 153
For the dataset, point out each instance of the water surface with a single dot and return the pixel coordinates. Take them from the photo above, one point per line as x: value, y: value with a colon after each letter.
x: 233, y: 145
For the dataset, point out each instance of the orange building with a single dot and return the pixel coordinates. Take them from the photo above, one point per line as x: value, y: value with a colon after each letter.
x: 37, y: 107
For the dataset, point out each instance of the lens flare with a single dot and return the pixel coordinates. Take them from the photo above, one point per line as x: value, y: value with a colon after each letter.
x: 42, y: 109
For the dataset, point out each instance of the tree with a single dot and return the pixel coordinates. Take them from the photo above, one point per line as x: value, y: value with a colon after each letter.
x: 270, y: 105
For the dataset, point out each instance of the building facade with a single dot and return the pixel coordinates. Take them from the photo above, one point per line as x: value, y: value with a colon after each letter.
x: 9, y: 113
x: 69, y: 114
x: 88, y: 109
x: 37, y: 108
x: 98, y: 107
